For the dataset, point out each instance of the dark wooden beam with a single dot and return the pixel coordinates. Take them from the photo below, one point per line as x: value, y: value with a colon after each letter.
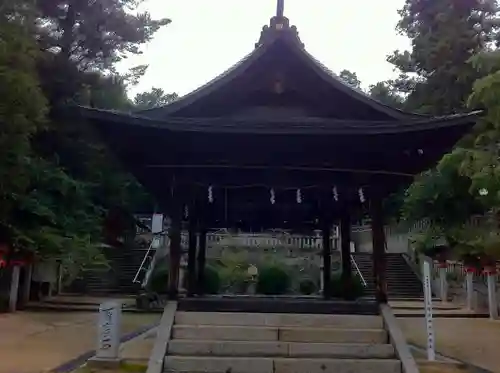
x: 201, y: 260
x: 204, y: 214
x: 326, y: 229
x: 345, y: 242
x: 378, y: 240
x: 192, y: 245
x: 175, y: 243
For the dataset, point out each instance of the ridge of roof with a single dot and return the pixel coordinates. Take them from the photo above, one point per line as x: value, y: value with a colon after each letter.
x: 241, y: 66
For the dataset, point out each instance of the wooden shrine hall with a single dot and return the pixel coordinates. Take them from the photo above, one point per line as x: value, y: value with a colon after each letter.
x: 275, y: 141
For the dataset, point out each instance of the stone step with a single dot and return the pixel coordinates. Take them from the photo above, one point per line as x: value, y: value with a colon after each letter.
x: 285, y: 334
x: 276, y: 319
x: 206, y: 364
x: 279, y: 349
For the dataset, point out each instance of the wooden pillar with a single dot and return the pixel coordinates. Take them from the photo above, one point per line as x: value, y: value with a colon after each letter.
x: 14, y: 288
x: 193, y: 241
x: 27, y: 283
x: 175, y: 244
x: 202, y: 252
x: 378, y: 240
x: 345, y: 243
x: 59, y: 277
x: 327, y: 261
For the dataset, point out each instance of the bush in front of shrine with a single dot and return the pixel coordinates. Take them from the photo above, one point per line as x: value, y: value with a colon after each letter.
x: 273, y: 280
x: 350, y: 289
x: 307, y: 286
x: 159, y: 279
x: 211, y: 280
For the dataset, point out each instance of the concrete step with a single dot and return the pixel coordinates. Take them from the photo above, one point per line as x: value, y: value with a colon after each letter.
x: 198, y: 347
x: 285, y: 334
x: 206, y: 364
x: 276, y: 319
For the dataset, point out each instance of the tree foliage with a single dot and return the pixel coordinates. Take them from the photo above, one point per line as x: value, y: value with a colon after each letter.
x: 451, y: 46
x: 350, y: 78
x: 386, y: 93
x: 445, y: 34
x: 58, y: 183
x: 154, y: 98
x: 95, y: 34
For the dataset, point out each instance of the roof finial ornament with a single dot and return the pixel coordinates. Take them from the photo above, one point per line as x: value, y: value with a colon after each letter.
x: 279, y: 27
x: 280, y: 8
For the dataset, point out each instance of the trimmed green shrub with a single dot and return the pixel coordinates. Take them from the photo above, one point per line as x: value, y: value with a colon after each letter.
x: 211, y: 280
x: 273, y: 280
x: 307, y: 286
x: 232, y: 267
x: 158, y: 282
x: 348, y: 290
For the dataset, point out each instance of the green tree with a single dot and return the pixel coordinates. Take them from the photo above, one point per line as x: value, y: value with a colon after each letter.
x: 386, y: 93
x: 22, y: 114
x: 350, y: 78
x: 445, y: 34
x: 82, y: 41
x: 154, y: 98
x: 87, y: 35
x: 43, y: 209
x: 437, y: 78
x: 477, y: 157
x: 95, y: 34
x: 58, y: 181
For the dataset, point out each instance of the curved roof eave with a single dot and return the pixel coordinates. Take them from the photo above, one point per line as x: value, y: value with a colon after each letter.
x: 334, y: 80
x: 207, y: 88
x: 311, y: 126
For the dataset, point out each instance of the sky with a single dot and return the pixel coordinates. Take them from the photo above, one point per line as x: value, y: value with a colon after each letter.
x: 206, y: 37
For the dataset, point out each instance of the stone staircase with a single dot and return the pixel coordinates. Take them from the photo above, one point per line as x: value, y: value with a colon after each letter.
x: 402, y: 282
x: 221, y: 342
x: 117, y: 279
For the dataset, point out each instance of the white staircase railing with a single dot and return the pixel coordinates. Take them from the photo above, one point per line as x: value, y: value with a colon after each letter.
x: 358, y: 271
x: 154, y: 245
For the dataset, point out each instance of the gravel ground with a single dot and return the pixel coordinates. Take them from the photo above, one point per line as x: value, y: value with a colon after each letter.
x: 39, y: 342
x: 474, y: 341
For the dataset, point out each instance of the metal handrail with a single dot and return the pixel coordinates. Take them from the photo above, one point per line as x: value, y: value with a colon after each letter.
x: 144, y: 259
x: 357, y: 270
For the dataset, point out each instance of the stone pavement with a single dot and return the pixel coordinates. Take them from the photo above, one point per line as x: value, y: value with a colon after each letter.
x: 33, y: 342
